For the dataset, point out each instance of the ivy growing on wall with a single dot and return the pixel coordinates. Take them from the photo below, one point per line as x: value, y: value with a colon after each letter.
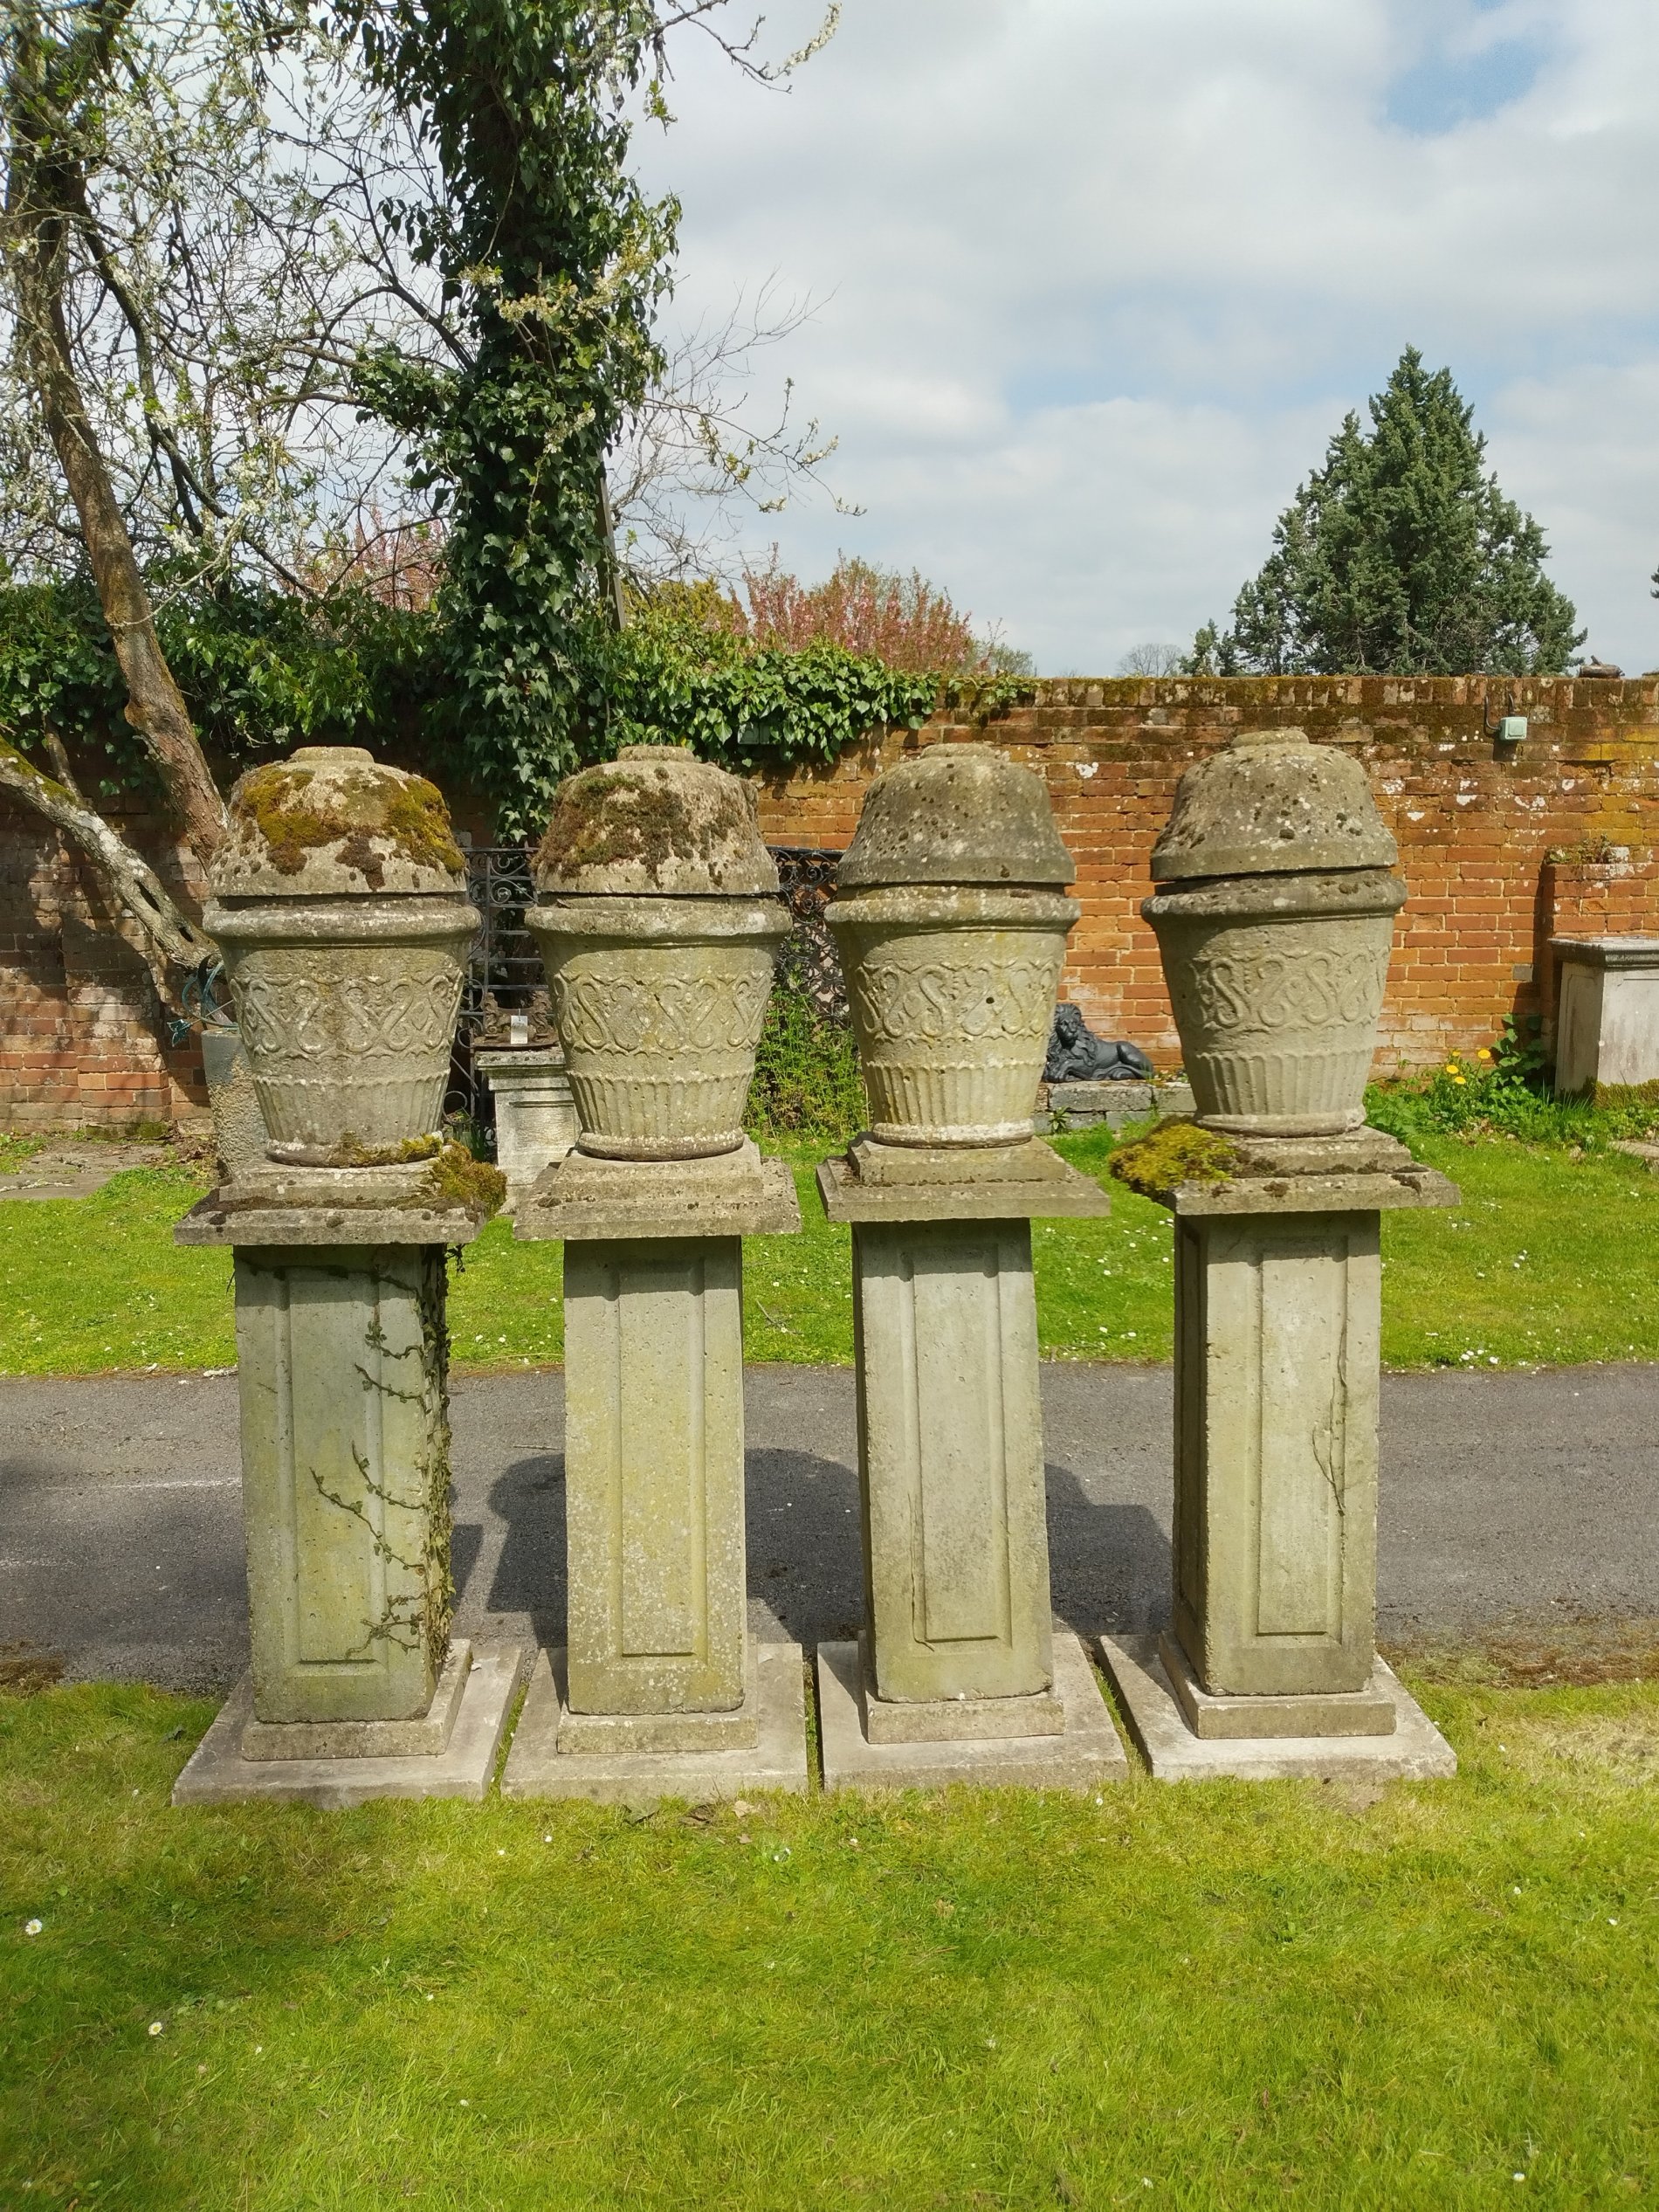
x: 264, y: 671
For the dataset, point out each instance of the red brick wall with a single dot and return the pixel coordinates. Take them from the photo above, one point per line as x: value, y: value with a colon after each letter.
x: 82, y: 1040
x: 1476, y: 823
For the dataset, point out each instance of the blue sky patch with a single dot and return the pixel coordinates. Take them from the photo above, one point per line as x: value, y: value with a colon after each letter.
x: 1444, y: 90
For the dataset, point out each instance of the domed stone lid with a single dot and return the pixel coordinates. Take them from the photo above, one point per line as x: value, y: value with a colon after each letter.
x: 1272, y: 803
x: 331, y: 821
x: 655, y: 819
x: 955, y: 814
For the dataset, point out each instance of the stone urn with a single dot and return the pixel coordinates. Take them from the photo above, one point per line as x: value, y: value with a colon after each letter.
x: 951, y: 921
x: 1274, y: 923
x: 658, y: 920
x: 338, y: 905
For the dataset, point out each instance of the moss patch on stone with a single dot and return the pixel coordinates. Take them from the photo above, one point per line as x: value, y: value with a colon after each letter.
x: 623, y: 817
x: 1174, y: 1152
x: 455, y: 1178
x: 369, y: 808
x: 349, y: 1152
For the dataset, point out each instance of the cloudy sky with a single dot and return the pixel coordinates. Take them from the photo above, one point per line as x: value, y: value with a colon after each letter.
x: 1094, y: 281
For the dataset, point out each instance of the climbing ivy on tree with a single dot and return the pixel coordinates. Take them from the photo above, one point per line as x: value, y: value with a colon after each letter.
x: 1400, y: 556
x: 554, y: 263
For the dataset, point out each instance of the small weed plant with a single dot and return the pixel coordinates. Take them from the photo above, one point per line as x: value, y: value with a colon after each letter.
x: 806, y: 1079
x: 1502, y: 1090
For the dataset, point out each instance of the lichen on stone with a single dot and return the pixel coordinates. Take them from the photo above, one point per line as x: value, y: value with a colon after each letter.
x: 358, y: 811
x: 1176, y: 1152
x: 637, y: 816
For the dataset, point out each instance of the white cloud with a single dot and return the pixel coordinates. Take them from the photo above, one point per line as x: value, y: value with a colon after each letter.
x: 1098, y: 278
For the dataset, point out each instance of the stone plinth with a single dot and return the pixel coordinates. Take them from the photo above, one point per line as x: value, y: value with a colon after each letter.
x: 342, y: 1383
x: 536, y: 1114
x: 543, y: 1763
x: 1607, y: 1022
x: 1412, y: 1750
x: 1082, y: 1752
x: 1278, y: 1331
x: 219, y: 1771
x: 659, y: 1661
x: 654, y: 1475
x: 1084, y: 1103
x: 958, y: 1641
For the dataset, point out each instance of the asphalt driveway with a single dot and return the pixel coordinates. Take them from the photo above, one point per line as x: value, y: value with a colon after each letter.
x: 1506, y: 1498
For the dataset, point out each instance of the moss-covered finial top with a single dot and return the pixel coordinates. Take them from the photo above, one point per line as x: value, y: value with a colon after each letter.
x: 331, y: 821
x: 1272, y: 803
x: 956, y: 814
x: 656, y: 819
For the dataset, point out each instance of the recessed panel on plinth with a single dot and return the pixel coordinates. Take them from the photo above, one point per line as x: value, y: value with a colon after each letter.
x: 654, y: 1475
x: 1276, y: 1500
x: 956, y: 1558
x: 346, y: 1477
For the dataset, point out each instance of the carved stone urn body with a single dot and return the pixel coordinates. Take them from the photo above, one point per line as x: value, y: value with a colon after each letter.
x: 658, y: 921
x: 1274, y: 926
x: 338, y: 905
x: 951, y: 925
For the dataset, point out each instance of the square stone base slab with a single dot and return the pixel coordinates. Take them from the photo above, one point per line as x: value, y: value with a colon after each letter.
x: 218, y: 1775
x: 581, y: 1733
x: 1415, y: 1752
x: 536, y: 1766
x: 425, y: 1738
x: 889, y: 1720
x: 589, y: 1200
x: 1088, y: 1753
x: 1370, y: 1712
x: 211, y: 1220
x: 963, y: 1183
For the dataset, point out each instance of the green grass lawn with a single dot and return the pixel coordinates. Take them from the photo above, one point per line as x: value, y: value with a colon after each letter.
x: 1208, y: 1995
x: 1551, y: 1260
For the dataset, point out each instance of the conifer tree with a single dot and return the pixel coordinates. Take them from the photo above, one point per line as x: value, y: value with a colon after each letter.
x: 1400, y: 556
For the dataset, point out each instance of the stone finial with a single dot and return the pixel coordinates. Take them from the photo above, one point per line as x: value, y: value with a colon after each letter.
x: 956, y: 814
x: 658, y: 820
x: 1272, y: 803
x: 331, y: 821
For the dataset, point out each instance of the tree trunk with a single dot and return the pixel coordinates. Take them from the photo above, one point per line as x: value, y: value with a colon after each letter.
x: 43, y: 186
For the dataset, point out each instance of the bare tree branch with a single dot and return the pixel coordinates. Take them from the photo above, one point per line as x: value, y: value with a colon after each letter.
x: 131, y: 882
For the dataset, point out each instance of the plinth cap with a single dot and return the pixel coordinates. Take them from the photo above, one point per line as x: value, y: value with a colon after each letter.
x: 1272, y: 803
x: 655, y: 819
x: 955, y: 814
x: 331, y: 821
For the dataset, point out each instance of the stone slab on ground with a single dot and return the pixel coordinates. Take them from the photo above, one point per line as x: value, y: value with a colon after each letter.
x: 1088, y: 1753
x: 536, y: 1767
x: 216, y: 1774
x: 1415, y: 1752
x: 70, y: 1170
